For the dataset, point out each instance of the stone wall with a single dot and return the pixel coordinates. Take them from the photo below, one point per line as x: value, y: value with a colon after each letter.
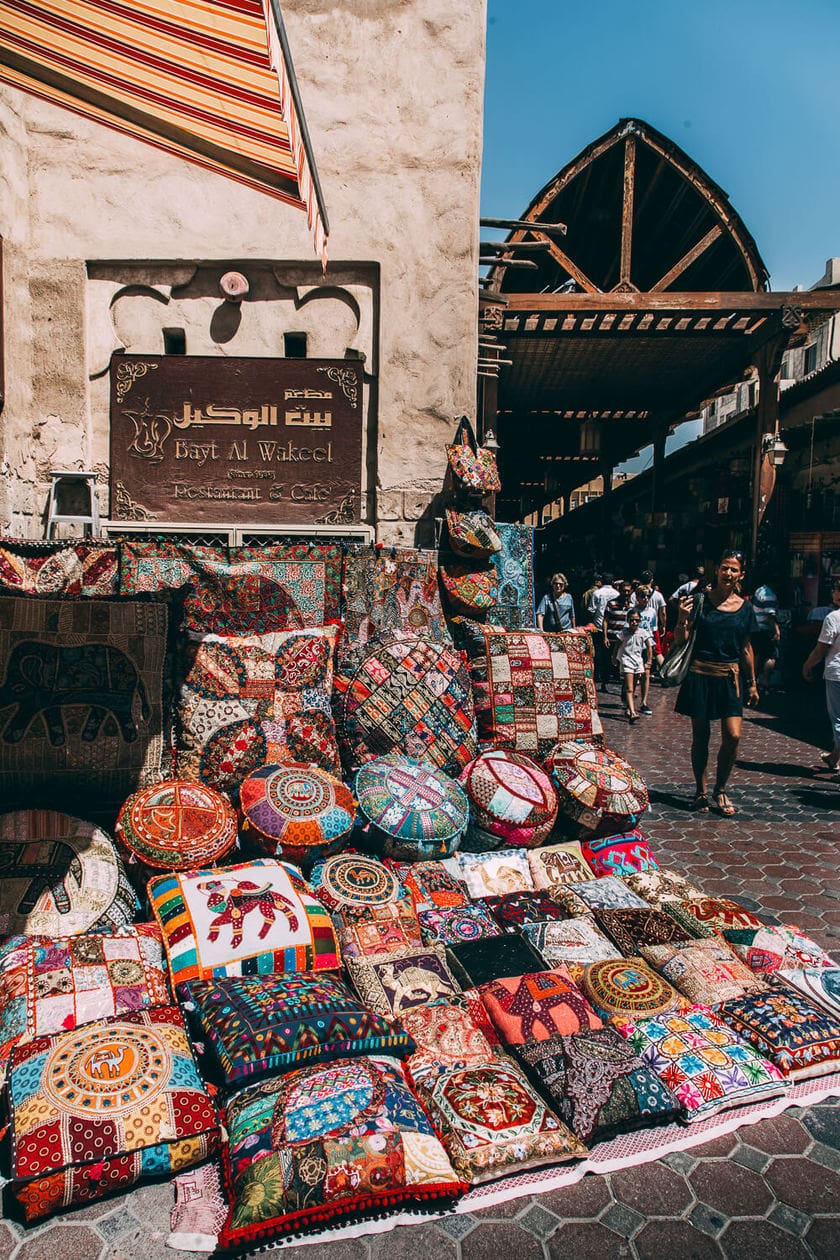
x: 107, y: 241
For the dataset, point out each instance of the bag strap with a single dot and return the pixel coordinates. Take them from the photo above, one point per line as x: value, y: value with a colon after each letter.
x: 466, y: 433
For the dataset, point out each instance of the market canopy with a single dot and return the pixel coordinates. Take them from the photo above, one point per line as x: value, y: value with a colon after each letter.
x: 209, y: 80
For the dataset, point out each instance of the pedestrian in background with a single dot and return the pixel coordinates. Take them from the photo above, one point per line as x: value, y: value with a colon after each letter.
x: 588, y: 595
x: 615, y: 623
x: 602, y: 596
x: 650, y: 620
x: 827, y: 650
x: 765, y: 642
x: 556, y: 610
x: 630, y: 654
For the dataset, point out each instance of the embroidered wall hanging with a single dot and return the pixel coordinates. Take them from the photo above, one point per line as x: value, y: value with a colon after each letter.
x: 514, y: 565
x: 68, y: 567
x: 394, y: 589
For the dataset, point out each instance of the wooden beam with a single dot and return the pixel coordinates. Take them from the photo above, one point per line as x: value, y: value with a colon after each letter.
x: 514, y: 225
x: 686, y: 260
x: 574, y: 271
x: 627, y: 208
x: 823, y: 300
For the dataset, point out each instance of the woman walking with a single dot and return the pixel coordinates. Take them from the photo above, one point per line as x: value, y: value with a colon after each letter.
x: 557, y: 609
x: 720, y: 677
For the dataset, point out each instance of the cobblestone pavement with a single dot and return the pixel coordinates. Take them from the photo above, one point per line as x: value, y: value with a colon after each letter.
x: 771, y: 1191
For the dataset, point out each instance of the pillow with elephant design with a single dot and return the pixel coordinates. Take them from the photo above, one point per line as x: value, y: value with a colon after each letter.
x: 537, y: 1006
x: 252, y: 919
x: 392, y: 984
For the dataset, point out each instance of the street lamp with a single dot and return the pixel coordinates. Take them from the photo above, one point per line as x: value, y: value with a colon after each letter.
x: 774, y: 448
x: 491, y: 444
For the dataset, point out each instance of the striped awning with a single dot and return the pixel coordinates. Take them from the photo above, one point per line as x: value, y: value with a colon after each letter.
x: 208, y: 80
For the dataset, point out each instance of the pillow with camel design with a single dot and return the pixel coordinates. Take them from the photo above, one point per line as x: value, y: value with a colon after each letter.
x: 252, y: 919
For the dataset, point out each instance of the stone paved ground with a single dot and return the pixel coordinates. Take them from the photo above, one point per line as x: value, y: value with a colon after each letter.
x: 771, y: 1191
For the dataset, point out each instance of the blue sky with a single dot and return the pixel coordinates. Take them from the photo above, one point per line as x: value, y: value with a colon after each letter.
x: 749, y: 88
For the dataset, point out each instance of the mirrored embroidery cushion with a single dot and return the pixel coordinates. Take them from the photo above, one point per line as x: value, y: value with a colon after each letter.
x: 250, y: 700
x: 381, y: 930
x: 393, y: 983
x: 707, y: 972
x: 395, y: 588
x: 572, y: 941
x: 48, y: 986
x: 661, y: 885
x: 606, y: 893
x: 625, y: 989
x: 511, y: 798
x: 461, y: 923
x: 596, y: 787
x: 340, y: 1139
x: 60, y: 876
x: 476, y: 962
x: 177, y: 825
x: 514, y: 910
x: 296, y: 812
x: 722, y: 912
x: 103, y: 1106
x: 430, y: 885
x: 632, y: 928
x: 598, y: 1084
x: 820, y: 987
x: 407, y: 694
x: 66, y: 567
x: 493, y: 1122
x: 534, y: 1007
x: 259, y: 1026
x: 531, y: 689
x: 445, y: 1037
x: 619, y: 855
x: 703, y: 1062
x: 768, y: 949
x: 801, y: 1039
x: 353, y: 883
x: 493, y: 874
x: 558, y: 864
x: 419, y: 811
x: 254, y: 918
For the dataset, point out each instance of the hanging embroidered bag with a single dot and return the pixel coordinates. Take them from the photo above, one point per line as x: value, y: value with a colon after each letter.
x: 474, y: 466
x: 472, y: 534
x: 470, y: 590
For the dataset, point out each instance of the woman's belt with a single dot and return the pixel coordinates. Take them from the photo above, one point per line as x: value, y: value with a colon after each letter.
x: 718, y: 669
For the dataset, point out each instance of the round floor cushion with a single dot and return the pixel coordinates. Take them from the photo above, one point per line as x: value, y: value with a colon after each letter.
x: 356, y: 883
x: 596, y: 787
x: 511, y: 798
x: 420, y: 811
x: 60, y: 876
x: 177, y: 825
x: 296, y: 812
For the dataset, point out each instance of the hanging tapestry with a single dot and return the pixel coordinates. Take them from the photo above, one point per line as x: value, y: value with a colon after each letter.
x: 66, y: 567
x: 801, y: 1039
x: 395, y: 589
x: 514, y: 565
x: 177, y: 825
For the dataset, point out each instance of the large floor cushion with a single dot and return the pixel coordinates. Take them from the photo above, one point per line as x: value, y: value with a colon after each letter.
x: 531, y: 690
x: 296, y: 812
x: 177, y: 825
x: 512, y: 799
x: 597, y: 789
x: 98, y: 1108
x: 82, y: 714
x: 419, y: 811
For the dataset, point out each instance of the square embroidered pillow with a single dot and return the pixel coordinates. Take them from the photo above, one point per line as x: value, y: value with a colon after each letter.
x: 100, y: 1107
x: 257, y: 1026
x: 477, y: 1012
x: 492, y: 874
x: 722, y: 912
x: 477, y: 962
x: 537, y: 1006
x: 801, y: 1039
x: 625, y: 989
x: 394, y: 983
x: 252, y: 919
x: 632, y: 928
x: 554, y: 864
x: 707, y: 972
x: 250, y: 701
x: 598, y: 1084
x: 383, y: 930
x: 445, y: 1037
x: 430, y: 885
x: 606, y: 893
x: 658, y: 885
x: 819, y: 987
x: 338, y: 1140
x: 680, y: 913
x: 625, y: 854
x: 514, y: 910
x: 493, y: 1122
x: 703, y: 1062
x: 575, y: 941
x: 462, y: 923
x: 768, y: 949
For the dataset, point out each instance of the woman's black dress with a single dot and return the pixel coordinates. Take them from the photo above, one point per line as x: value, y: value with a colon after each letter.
x: 720, y: 637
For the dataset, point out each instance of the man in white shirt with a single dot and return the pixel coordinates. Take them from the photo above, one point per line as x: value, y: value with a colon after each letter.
x: 690, y: 586
x: 600, y: 598
x: 827, y: 649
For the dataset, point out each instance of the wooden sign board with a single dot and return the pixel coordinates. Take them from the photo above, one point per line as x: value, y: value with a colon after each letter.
x: 275, y: 441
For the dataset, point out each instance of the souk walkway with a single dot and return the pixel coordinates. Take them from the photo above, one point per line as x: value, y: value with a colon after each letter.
x: 769, y: 1191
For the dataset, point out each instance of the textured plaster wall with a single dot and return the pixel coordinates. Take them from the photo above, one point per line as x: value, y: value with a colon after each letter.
x: 393, y: 95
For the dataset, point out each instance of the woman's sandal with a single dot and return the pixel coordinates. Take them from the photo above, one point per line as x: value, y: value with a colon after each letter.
x: 700, y: 804
x: 723, y: 805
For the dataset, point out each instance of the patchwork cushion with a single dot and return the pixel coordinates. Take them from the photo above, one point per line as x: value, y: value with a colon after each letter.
x: 296, y: 812
x: 49, y: 985
x: 531, y: 689
x: 98, y: 1108
x: 534, y: 1007
x: 461, y: 923
x: 801, y: 1039
x: 247, y: 701
x: 353, y: 884
x: 259, y: 1026
x: 597, y: 788
x: 60, y: 876
x: 393, y: 589
x: 632, y: 928
x: 573, y: 941
x: 703, y: 1062
x: 177, y: 825
x: 513, y: 910
x: 624, y: 989
x: 511, y: 798
x: 598, y: 1084
x: 492, y: 874
x: 606, y: 893
x: 768, y: 949
x: 722, y: 912
x: 82, y: 714
x: 820, y: 987
x: 445, y: 1037
x: 430, y: 885
x: 254, y: 918
x: 707, y: 972
x: 619, y: 855
x: 72, y: 566
x: 420, y: 812
x: 380, y: 930
x: 406, y: 694
x: 493, y: 1122
x: 477, y: 962
x: 660, y: 885
x: 335, y: 1140
x: 558, y: 864
x: 398, y: 982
